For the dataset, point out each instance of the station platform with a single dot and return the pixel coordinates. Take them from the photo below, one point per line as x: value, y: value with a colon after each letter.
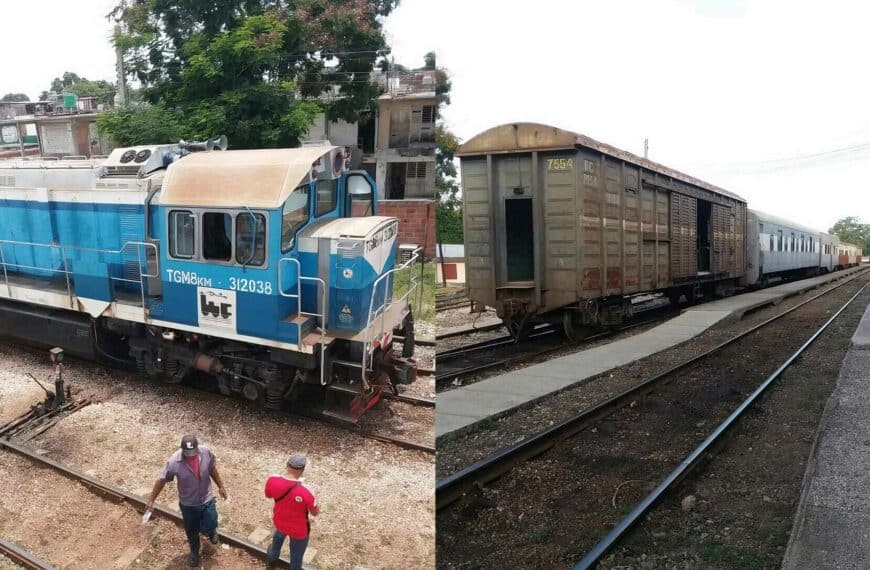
x: 832, y: 524
x: 461, y: 408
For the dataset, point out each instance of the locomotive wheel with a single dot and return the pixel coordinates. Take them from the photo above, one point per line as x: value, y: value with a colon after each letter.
x: 174, y: 373
x: 573, y: 327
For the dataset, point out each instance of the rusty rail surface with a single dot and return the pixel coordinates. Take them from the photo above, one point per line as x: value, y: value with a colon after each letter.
x: 21, y: 557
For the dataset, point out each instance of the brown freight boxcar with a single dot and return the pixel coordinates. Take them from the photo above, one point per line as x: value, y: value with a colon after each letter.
x: 563, y: 228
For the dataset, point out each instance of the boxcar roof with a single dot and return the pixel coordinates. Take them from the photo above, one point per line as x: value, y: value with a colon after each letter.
x: 230, y: 179
x: 526, y: 137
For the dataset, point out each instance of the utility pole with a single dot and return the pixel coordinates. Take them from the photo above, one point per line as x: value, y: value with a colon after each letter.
x: 121, y: 95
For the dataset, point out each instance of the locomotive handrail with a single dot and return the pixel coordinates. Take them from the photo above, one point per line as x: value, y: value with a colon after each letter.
x: 388, y: 301
x: 321, y: 292
x: 66, y: 272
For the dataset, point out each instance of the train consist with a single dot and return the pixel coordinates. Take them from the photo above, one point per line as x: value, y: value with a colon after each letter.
x: 267, y: 270
x: 562, y: 228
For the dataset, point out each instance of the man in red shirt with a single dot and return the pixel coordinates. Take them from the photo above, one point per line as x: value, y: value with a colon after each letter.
x: 293, y: 502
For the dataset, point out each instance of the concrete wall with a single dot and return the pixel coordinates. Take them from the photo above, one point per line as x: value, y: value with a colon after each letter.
x: 339, y: 133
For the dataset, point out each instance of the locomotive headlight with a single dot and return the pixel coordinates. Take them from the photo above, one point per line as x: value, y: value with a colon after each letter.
x: 347, y: 273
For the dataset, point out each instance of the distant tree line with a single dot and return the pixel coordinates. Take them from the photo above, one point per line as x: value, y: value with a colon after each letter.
x: 851, y: 230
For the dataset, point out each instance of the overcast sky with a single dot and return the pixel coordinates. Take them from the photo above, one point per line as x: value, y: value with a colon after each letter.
x: 723, y: 90
x: 731, y: 92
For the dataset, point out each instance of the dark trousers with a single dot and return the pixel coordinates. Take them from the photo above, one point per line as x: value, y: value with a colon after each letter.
x: 202, y: 519
x: 297, y: 549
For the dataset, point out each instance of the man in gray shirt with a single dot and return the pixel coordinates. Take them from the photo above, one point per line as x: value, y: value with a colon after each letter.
x: 194, y: 466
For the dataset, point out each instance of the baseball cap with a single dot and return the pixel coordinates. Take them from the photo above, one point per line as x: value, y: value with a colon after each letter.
x: 297, y: 461
x: 189, y: 445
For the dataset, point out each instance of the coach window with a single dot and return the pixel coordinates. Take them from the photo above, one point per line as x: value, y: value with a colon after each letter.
x: 182, y: 234
x: 217, y: 236
x: 294, y: 216
x: 327, y: 196
x: 250, y: 238
x: 793, y: 241
x: 771, y: 242
x: 779, y: 234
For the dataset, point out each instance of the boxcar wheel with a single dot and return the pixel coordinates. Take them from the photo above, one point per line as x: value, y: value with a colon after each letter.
x: 573, y: 327
x: 517, y: 328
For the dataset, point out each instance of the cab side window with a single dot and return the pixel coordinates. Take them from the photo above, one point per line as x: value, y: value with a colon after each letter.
x: 294, y: 216
x: 327, y: 196
x: 250, y: 238
x: 217, y: 236
x: 182, y: 234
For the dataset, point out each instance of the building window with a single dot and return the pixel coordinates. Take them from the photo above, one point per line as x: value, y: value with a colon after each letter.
x: 217, y: 236
x: 428, y: 114
x: 182, y: 234
x: 416, y: 170
x: 327, y: 196
x: 250, y: 238
x: 294, y: 216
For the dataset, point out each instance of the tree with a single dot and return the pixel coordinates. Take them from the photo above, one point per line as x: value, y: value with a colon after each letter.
x: 71, y: 82
x: 14, y: 98
x: 851, y: 230
x: 258, y: 71
x: 448, y: 212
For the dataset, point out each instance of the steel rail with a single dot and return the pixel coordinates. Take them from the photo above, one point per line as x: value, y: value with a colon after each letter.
x: 695, y: 457
x: 415, y: 400
x: 452, y: 487
x: 501, y: 341
x: 470, y: 330
x: 355, y: 429
x: 23, y: 557
x: 120, y: 494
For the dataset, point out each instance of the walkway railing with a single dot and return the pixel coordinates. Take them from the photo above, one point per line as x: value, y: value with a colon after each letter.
x: 69, y: 274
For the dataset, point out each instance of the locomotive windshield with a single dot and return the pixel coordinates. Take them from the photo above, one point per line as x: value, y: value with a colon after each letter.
x: 359, y: 196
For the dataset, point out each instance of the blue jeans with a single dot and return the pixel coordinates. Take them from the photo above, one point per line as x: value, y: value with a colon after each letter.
x: 199, y: 519
x: 297, y: 549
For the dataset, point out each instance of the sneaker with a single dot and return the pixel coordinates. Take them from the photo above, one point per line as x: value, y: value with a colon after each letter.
x: 214, y: 538
x: 193, y: 560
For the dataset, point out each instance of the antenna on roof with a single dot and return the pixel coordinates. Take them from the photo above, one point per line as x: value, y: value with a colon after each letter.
x: 646, y: 148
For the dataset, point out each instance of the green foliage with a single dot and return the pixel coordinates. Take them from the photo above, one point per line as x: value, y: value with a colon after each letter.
x: 71, y: 82
x: 251, y: 68
x: 851, y: 230
x: 449, y: 222
x: 142, y: 124
x: 448, y: 214
x: 14, y: 97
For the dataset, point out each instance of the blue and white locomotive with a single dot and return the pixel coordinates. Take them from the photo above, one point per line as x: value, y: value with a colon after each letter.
x: 266, y: 269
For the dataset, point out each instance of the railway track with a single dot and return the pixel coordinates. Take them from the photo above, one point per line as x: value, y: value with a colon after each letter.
x: 505, y: 350
x: 22, y: 557
x: 114, y: 493
x: 474, y: 477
